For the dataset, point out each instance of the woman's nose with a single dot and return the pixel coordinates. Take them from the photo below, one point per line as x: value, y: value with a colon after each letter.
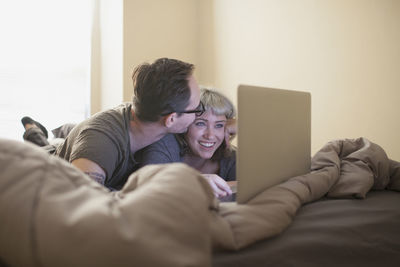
x: 209, y: 133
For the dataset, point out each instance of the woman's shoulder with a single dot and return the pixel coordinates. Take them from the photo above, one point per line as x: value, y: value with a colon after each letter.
x: 168, y: 142
x: 229, y: 158
x: 165, y: 150
x: 228, y: 166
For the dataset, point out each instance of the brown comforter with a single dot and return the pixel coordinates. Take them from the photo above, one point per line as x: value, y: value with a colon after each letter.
x: 53, y: 215
x: 341, y: 169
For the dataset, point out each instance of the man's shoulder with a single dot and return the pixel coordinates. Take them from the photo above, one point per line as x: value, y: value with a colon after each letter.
x: 119, y: 112
x: 113, y: 121
x: 109, y: 126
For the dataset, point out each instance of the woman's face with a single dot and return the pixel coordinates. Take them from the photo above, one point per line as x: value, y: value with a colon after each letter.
x: 206, y: 134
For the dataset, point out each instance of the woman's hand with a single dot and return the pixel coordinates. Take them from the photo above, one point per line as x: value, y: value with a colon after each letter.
x: 218, y: 185
x: 230, y: 131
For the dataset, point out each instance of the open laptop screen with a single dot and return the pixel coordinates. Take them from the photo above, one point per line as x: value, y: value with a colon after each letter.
x: 274, y: 138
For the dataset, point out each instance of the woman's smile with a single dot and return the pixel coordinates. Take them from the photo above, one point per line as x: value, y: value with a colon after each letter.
x: 206, y: 134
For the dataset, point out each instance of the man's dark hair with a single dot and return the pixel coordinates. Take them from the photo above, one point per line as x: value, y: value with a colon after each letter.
x: 160, y: 88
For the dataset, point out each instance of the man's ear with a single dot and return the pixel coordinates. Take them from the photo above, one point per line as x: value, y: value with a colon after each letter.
x: 170, y: 119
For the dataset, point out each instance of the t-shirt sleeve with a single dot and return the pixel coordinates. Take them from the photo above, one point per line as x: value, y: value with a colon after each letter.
x: 166, y: 150
x: 97, y: 147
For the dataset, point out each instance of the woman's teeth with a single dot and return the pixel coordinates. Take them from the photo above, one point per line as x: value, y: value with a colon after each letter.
x: 206, y: 144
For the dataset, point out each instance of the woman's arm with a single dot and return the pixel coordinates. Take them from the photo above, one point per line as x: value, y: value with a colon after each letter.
x: 219, y: 186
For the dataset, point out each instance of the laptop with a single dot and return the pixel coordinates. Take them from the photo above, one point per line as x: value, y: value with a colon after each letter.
x: 274, y: 139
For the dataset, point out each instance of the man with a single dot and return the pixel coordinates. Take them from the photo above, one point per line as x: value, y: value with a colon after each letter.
x: 166, y: 99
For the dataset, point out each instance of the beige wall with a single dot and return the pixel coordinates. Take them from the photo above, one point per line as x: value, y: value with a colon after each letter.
x: 158, y: 28
x: 129, y: 32
x: 345, y: 52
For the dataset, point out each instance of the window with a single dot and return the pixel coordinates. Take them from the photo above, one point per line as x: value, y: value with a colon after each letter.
x: 44, y: 63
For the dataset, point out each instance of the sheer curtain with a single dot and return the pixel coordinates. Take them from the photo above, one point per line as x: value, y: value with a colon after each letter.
x: 44, y: 63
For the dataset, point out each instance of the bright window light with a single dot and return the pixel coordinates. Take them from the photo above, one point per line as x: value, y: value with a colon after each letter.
x: 44, y: 63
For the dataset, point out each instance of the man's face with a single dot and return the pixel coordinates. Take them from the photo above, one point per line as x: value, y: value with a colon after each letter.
x: 182, y: 122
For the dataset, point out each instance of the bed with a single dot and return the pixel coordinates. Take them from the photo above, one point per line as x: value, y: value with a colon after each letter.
x: 344, y: 212
x: 330, y: 232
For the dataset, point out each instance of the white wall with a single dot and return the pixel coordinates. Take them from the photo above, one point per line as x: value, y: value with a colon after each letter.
x: 345, y: 52
x: 107, y: 55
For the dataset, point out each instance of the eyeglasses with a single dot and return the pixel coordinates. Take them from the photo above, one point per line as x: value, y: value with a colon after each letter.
x: 198, y: 111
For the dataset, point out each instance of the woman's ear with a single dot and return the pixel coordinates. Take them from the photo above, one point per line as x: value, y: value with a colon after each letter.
x: 170, y: 119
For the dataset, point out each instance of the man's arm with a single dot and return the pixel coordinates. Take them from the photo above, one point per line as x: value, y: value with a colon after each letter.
x: 90, y: 168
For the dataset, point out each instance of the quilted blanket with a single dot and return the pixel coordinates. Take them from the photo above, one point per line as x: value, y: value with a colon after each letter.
x: 51, y: 214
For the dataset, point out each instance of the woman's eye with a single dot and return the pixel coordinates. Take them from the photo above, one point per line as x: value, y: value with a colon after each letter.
x: 219, y: 125
x: 200, y: 123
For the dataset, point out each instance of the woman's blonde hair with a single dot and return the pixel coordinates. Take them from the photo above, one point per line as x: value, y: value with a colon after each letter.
x: 219, y: 105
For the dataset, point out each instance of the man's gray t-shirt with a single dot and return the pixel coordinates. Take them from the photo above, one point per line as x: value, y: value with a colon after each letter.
x: 103, y: 139
x: 168, y: 150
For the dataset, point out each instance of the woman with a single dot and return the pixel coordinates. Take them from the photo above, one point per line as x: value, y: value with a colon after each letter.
x: 205, y: 146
